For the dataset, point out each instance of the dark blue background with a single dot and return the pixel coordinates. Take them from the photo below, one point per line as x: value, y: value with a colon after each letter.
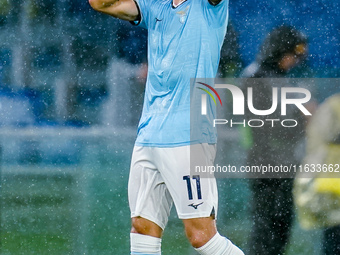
x: 319, y: 20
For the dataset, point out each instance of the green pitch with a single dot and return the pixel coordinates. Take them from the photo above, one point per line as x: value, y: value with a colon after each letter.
x: 83, y: 209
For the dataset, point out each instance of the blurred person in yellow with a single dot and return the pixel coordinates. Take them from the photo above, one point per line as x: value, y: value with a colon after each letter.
x: 317, y: 186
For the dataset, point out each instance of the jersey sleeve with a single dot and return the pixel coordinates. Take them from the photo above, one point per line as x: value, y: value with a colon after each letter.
x: 143, y: 8
x: 216, y: 15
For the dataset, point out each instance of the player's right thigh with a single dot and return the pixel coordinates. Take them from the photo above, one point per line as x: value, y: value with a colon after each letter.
x: 149, y: 197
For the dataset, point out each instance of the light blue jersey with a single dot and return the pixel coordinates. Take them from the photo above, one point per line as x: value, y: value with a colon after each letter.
x: 183, y: 43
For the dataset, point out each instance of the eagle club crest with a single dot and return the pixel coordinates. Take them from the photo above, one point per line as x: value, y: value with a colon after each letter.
x: 183, y: 14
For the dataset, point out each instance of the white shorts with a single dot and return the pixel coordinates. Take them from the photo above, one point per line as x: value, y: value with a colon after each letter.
x: 161, y: 176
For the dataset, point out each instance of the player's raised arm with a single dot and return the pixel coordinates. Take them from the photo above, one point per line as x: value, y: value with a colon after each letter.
x: 121, y: 9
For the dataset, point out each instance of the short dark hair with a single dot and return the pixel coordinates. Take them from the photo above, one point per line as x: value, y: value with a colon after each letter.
x: 280, y: 41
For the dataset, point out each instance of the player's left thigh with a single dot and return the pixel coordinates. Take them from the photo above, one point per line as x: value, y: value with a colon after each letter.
x: 193, y: 196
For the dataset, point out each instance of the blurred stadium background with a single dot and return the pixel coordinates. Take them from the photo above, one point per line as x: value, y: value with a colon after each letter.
x: 71, y: 83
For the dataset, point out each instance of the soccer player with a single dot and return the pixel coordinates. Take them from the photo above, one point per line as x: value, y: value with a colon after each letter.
x: 184, y: 42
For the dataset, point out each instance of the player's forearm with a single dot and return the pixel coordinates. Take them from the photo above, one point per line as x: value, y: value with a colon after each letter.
x: 102, y: 4
x: 121, y: 9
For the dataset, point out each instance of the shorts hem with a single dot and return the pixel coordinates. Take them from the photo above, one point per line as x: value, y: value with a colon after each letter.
x: 195, y: 215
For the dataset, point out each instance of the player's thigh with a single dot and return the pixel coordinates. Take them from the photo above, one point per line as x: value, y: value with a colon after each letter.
x: 149, y: 197
x: 194, y: 196
x: 143, y: 226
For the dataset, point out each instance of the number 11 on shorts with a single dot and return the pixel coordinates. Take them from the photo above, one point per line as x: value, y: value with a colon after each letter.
x: 198, y: 186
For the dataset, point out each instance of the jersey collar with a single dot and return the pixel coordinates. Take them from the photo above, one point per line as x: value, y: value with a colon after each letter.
x: 175, y: 6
